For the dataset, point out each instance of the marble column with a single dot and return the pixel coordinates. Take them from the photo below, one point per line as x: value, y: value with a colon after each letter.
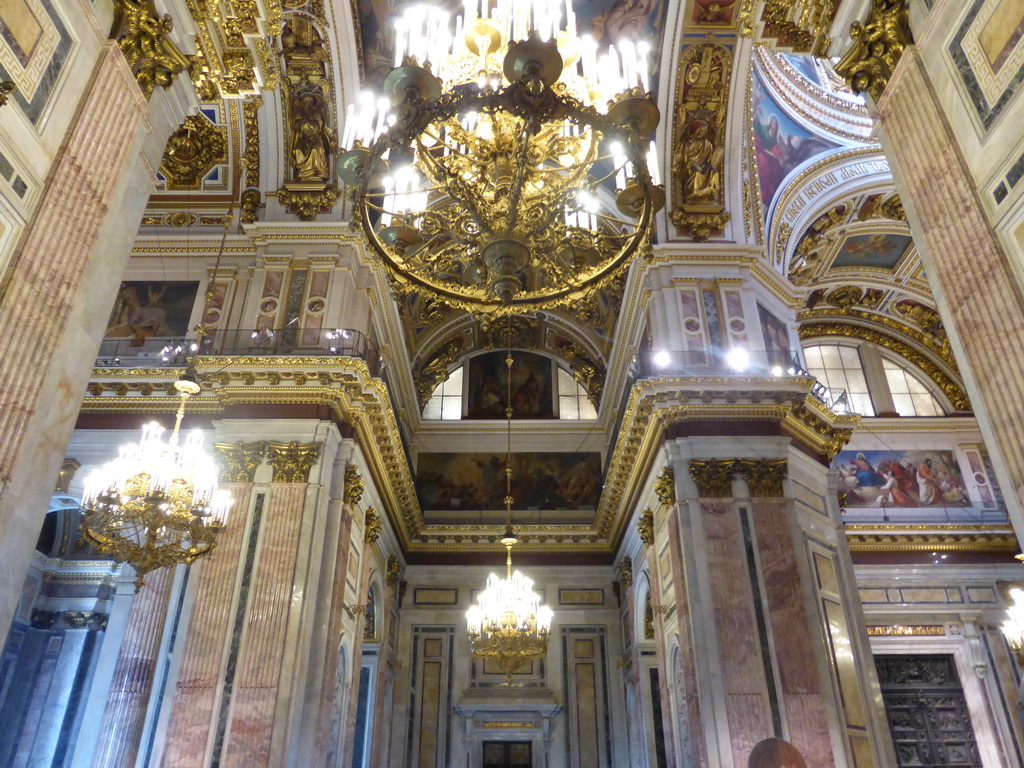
x: 978, y: 296
x: 381, y: 717
x: 62, y: 273
x: 124, y: 717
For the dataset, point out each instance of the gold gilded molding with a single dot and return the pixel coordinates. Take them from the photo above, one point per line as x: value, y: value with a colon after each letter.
x: 802, y: 26
x: 931, y: 538
x: 878, y: 45
x: 192, y: 152
x: 292, y: 461
x: 307, y: 203
x: 951, y: 388
x: 645, y: 527
x: 372, y: 525
x: 142, y: 35
x: 900, y: 630
x: 251, y: 197
x: 437, y: 369
x: 7, y: 87
x: 234, y: 59
x: 698, y: 160
x: 354, y: 484
x: 626, y: 571
x: 665, y: 487
x: 393, y: 571
x: 713, y: 477
x: 239, y: 461
x: 764, y: 477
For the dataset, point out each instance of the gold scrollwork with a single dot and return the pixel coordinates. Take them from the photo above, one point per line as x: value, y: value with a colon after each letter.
x: 436, y: 370
x: 878, y: 45
x: 802, y: 26
x: 307, y: 203
x: 6, y: 89
x: 713, y: 477
x: 698, y: 160
x: 764, y: 477
x: 645, y: 527
x: 192, y: 152
x: 372, y: 525
x: 238, y: 461
x: 393, y: 571
x: 665, y: 487
x: 142, y: 35
x: 626, y: 571
x: 354, y: 484
x: 292, y: 461
x: 251, y: 197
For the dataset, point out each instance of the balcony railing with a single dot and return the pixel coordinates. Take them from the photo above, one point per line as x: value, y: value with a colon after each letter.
x: 159, y: 352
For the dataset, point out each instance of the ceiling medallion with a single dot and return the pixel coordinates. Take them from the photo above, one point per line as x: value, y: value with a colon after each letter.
x: 509, y: 166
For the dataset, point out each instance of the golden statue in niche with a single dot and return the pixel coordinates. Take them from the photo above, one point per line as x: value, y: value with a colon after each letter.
x: 703, y: 163
x: 312, y: 141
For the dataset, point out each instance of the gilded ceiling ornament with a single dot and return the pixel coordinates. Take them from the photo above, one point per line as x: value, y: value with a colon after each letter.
x: 924, y: 317
x: 517, y: 332
x: 884, y: 207
x: 251, y: 197
x: 393, y: 570
x: 665, y: 487
x: 698, y: 160
x: 372, y: 525
x: 951, y: 388
x: 764, y: 476
x: 292, y: 461
x: 239, y: 461
x: 645, y: 527
x: 852, y: 296
x: 809, y: 252
x: 142, y: 35
x: 802, y: 26
x: 713, y: 477
x: 6, y: 89
x: 234, y: 59
x: 354, y: 485
x: 878, y: 45
x: 436, y: 370
x: 307, y: 203
x: 192, y: 152
x: 626, y: 571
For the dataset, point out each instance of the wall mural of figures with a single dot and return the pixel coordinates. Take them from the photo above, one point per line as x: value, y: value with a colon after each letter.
x: 912, y: 478
x: 532, y: 386
x: 779, y: 143
x: 151, y: 308
x: 446, y: 481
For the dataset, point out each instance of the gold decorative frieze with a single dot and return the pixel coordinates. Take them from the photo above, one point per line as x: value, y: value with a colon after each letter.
x: 713, y: 477
x: 626, y: 572
x: 764, y: 477
x: 192, y: 152
x: 878, y: 45
x: 931, y: 538
x: 393, y: 571
x: 645, y: 527
x: 143, y: 36
x: 234, y: 59
x: 665, y: 487
x: 354, y: 484
x: 372, y: 525
x: 292, y: 461
x: 6, y: 89
x: 698, y: 160
x: 239, y: 461
x: 900, y: 630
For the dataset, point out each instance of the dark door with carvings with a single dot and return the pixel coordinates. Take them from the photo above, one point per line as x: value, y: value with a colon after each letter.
x: 927, y: 712
x: 507, y: 754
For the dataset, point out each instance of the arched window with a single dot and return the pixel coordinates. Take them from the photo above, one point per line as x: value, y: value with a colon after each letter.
x: 839, y: 368
x: 446, y: 402
x: 910, y: 395
x: 573, y: 402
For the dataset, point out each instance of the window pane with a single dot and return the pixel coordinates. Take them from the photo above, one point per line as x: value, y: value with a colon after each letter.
x: 855, y: 381
x: 568, y: 407
x: 432, y: 410
x: 812, y: 356
x: 897, y: 381
x: 904, y: 405
x: 916, y: 386
x: 862, y: 404
x: 451, y: 407
x: 566, y: 383
x: 830, y: 357
x: 587, y: 409
x: 454, y: 384
x: 926, y: 405
x: 850, y: 357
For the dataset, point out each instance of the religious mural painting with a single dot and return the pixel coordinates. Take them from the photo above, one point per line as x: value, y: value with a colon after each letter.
x: 776, y: 338
x: 34, y: 47
x: 151, y: 308
x: 804, y: 65
x: 717, y: 13
x: 780, y: 143
x: 909, y: 478
x: 476, y: 481
x: 876, y: 251
x: 531, y: 386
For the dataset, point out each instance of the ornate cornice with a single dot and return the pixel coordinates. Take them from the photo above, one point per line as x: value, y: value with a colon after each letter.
x: 931, y: 538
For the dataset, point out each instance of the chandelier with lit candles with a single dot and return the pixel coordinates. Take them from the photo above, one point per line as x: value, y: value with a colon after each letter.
x: 157, y: 504
x: 1013, y: 625
x: 509, y: 164
x: 508, y: 624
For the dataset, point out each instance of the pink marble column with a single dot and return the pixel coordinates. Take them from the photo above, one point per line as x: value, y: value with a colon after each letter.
x: 349, y: 727
x: 194, y: 709
x: 791, y: 629
x: 52, y: 306
x: 979, y: 298
x: 265, y: 668
x: 124, y: 716
x: 381, y: 741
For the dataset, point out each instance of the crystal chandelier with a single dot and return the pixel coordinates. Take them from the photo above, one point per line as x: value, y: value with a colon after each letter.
x: 508, y: 165
x: 1013, y: 626
x: 157, y: 504
x: 508, y: 624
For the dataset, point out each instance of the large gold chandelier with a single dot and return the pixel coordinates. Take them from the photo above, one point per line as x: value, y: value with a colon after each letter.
x: 509, y: 164
x: 157, y: 504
